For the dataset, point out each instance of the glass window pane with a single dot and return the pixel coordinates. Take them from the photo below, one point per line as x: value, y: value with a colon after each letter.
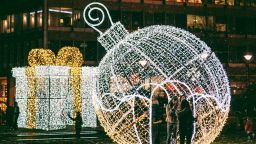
x: 194, y: 1
x: 196, y: 22
x: 220, y: 2
x: 132, y: 1
x: 25, y: 20
x: 60, y: 16
x: 230, y: 2
x: 32, y: 20
x: 39, y: 19
x: 180, y: 1
x: 154, y: 1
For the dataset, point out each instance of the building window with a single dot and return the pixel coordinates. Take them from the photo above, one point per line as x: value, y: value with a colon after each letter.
x: 230, y: 2
x: 7, y: 25
x: 32, y: 20
x: 170, y: 2
x: 132, y: 1
x: 220, y: 24
x: 154, y: 1
x: 180, y: 1
x: 220, y: 2
x: 196, y: 22
x: 195, y: 1
x: 39, y: 19
x: 25, y: 20
x: 221, y: 27
x: 60, y: 16
x: 4, y: 26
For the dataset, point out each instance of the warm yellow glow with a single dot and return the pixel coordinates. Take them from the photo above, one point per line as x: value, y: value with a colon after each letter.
x: 5, y: 24
x: 24, y: 19
x: 69, y: 56
x: 75, y: 74
x: 31, y: 103
x: 41, y: 56
x: 61, y: 21
x: 32, y: 22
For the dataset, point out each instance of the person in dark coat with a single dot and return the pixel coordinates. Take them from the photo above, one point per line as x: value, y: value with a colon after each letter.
x: 171, y: 120
x: 16, y: 115
x: 186, y: 120
x: 9, y: 116
x: 78, y: 123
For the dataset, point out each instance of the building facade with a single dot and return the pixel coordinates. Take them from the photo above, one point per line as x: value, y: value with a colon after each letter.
x: 227, y: 26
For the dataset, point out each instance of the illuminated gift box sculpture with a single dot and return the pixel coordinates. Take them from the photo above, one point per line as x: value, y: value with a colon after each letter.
x: 42, y: 96
x: 165, y: 58
x: 46, y: 94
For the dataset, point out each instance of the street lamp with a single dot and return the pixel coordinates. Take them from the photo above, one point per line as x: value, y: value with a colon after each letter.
x: 248, y: 57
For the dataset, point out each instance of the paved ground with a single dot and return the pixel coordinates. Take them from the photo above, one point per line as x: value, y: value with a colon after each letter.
x: 92, y: 136
x: 67, y: 136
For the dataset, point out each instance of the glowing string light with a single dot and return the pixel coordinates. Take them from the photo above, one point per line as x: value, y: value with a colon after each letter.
x: 174, y: 57
x: 43, y: 92
x: 71, y: 56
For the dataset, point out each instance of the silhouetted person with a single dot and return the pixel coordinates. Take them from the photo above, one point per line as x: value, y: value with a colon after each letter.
x: 16, y: 113
x: 9, y: 116
x: 78, y: 123
x: 186, y: 120
x: 171, y: 120
x: 156, y: 120
x: 249, y: 128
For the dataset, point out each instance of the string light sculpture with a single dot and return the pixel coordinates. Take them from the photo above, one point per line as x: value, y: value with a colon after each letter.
x: 41, y: 56
x: 41, y: 93
x: 155, y: 60
x: 21, y: 94
x: 89, y: 78
x: 45, y: 94
x: 72, y: 57
x: 69, y: 56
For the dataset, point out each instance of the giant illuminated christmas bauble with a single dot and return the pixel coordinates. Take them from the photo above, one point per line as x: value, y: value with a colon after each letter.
x: 156, y: 61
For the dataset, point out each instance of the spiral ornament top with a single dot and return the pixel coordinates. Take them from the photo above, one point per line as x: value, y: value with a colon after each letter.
x: 94, y: 22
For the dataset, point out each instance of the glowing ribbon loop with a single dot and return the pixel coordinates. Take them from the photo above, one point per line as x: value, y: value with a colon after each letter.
x: 69, y: 56
x: 41, y: 57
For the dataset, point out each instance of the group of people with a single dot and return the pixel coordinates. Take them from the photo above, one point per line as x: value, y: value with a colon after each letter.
x: 179, y: 117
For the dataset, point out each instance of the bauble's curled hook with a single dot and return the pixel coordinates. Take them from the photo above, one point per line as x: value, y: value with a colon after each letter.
x: 94, y: 22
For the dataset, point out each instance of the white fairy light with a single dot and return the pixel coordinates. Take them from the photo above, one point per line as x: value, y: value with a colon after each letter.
x: 51, y: 89
x: 123, y: 103
x: 51, y: 92
x: 88, y: 78
x: 53, y: 97
x: 21, y: 94
x: 88, y: 91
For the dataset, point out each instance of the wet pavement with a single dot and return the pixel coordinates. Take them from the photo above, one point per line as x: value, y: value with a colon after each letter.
x: 66, y: 136
x: 92, y: 136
